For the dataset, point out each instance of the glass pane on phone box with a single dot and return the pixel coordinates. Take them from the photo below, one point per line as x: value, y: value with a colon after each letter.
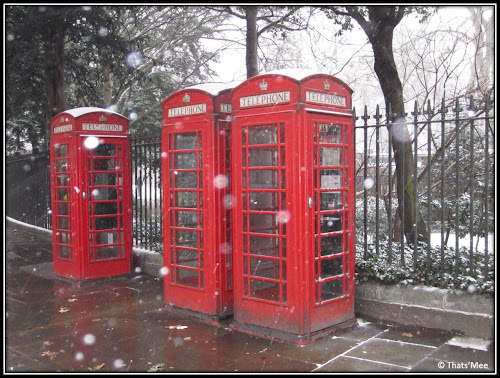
x: 330, y: 245
x: 331, y: 289
x: 265, y: 290
x: 188, y: 219
x: 106, y: 164
x: 64, y: 252
x: 104, y: 179
x: 63, y: 180
x: 63, y: 223
x: 265, y: 246
x: 106, y: 223
x: 330, y: 133
x: 187, y: 277
x: 331, y: 223
x: 63, y: 208
x: 264, y: 201
x: 186, y: 180
x: 188, y: 199
x: 62, y: 194
x: 63, y: 237
x: 330, y: 156
x: 103, y: 194
x: 331, y: 178
x: 61, y: 150
x: 62, y: 165
x: 331, y: 267
x: 266, y: 134
x: 331, y: 200
x: 187, y: 238
x: 186, y: 141
x: 263, y: 223
x: 185, y: 160
x: 187, y: 257
x: 105, y: 150
x: 263, y: 157
x: 264, y: 179
x: 110, y: 252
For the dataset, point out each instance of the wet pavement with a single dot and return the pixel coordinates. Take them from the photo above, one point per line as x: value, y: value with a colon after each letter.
x: 118, y: 325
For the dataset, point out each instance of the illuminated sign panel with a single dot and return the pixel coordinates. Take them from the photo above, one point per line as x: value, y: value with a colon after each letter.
x: 265, y: 99
x: 187, y: 110
x: 101, y: 127
x: 62, y: 129
x: 325, y: 98
x: 226, y: 108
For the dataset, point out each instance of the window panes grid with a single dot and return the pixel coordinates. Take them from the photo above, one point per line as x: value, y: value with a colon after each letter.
x: 264, y: 212
x: 62, y: 205
x: 105, y: 201
x: 330, y: 198
x: 186, y: 209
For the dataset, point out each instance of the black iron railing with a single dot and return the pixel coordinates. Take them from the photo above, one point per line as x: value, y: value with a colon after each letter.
x: 147, y: 193
x: 453, y: 160
x: 27, y: 189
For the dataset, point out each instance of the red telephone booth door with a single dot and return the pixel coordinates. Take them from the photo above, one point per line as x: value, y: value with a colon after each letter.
x: 331, y: 217
x: 187, y: 212
x: 265, y: 286
x: 198, y: 281
x: 65, y: 208
x: 196, y: 207
x: 106, y: 212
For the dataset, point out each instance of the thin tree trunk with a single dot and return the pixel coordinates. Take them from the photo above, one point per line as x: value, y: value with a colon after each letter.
x: 251, y: 51
x: 385, y: 68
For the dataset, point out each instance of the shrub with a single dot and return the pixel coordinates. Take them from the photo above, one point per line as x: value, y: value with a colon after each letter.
x: 451, y: 270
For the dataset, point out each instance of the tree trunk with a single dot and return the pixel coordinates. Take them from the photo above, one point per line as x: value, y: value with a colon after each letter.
x: 252, y: 61
x: 385, y: 68
x: 483, y: 42
x: 54, y: 72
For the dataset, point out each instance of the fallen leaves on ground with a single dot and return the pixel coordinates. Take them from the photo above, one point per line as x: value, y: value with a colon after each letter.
x: 98, y: 367
x: 177, y: 327
x: 49, y: 353
x: 156, y: 367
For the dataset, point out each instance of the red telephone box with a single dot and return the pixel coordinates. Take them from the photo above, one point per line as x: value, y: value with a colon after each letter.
x: 196, y: 202
x: 91, y: 193
x: 293, y: 214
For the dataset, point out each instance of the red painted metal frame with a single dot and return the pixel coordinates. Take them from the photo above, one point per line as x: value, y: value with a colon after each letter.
x: 196, y: 185
x: 73, y: 195
x: 307, y: 256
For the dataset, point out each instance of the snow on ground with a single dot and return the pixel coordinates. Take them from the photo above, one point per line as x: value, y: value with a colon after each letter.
x: 465, y: 242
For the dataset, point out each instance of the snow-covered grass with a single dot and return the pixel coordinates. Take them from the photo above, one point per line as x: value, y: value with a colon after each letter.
x: 28, y: 225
